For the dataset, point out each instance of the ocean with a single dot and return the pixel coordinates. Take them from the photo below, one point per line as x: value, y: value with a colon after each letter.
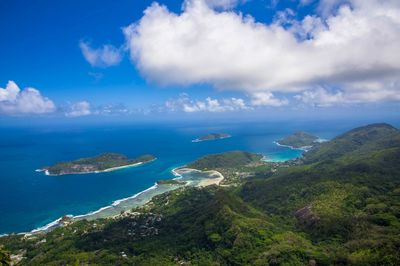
x: 30, y: 200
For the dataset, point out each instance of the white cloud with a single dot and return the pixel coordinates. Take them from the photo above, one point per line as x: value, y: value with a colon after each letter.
x: 225, y: 4
x: 105, y: 56
x: 235, y: 104
x: 28, y: 101
x: 187, y: 105
x: 327, y: 7
x: 79, y: 109
x: 112, y: 109
x: 322, y: 97
x: 267, y: 99
x: 358, y: 45
x: 10, y: 93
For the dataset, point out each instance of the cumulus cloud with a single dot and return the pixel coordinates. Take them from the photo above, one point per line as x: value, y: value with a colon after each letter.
x: 323, y: 97
x: 13, y: 100
x: 79, y: 109
x: 356, y: 48
x: 187, y: 105
x: 267, y: 99
x: 105, y: 56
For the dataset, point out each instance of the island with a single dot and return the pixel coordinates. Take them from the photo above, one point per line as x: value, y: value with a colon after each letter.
x: 104, y: 162
x: 212, y: 136
x: 299, y: 140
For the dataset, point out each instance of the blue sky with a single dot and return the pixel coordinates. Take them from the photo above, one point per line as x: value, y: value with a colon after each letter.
x: 199, y: 58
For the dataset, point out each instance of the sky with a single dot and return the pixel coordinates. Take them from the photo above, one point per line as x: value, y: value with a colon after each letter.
x: 187, y: 59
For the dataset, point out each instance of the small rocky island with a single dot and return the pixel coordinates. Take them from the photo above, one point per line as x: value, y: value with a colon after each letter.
x: 104, y: 162
x: 299, y: 140
x: 212, y: 136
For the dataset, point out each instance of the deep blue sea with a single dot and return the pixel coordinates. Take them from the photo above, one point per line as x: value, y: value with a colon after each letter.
x: 29, y: 199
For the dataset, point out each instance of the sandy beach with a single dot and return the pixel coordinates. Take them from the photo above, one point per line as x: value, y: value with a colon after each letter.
x: 212, y: 181
x: 120, y: 167
x: 215, y: 177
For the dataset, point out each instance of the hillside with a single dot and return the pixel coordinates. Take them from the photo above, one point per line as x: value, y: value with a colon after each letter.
x: 358, y: 141
x: 225, y: 160
x: 340, y: 206
x: 347, y: 192
x: 298, y: 140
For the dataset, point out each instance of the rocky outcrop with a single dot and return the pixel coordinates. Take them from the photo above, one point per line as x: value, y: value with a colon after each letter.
x: 306, y: 217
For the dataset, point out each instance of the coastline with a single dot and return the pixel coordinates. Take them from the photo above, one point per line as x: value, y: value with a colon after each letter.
x: 304, y: 148
x: 46, y: 172
x: 56, y: 223
x: 202, y: 182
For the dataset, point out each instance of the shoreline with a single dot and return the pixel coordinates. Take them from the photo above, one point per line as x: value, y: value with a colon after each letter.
x: 54, y: 224
x: 46, y: 171
x: 206, y: 181
x: 58, y: 222
x: 304, y: 148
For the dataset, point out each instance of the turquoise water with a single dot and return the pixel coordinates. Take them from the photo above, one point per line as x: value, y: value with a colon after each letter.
x: 29, y: 199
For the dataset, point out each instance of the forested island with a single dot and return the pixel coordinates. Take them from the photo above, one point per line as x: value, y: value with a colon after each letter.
x: 299, y: 140
x: 212, y: 136
x: 104, y: 162
x: 337, y: 205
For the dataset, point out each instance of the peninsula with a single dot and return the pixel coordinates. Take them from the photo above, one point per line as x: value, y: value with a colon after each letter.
x: 299, y: 140
x: 212, y: 136
x: 104, y: 162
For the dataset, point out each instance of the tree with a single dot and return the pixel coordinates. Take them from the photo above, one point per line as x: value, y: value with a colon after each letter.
x: 4, y: 258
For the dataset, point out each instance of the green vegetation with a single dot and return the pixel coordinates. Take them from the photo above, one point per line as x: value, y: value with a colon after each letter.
x: 212, y: 136
x: 98, y: 163
x: 235, y: 166
x: 357, y: 142
x: 225, y: 160
x: 299, y: 139
x: 4, y: 257
x: 340, y: 205
x: 344, y: 196
x: 170, y: 182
